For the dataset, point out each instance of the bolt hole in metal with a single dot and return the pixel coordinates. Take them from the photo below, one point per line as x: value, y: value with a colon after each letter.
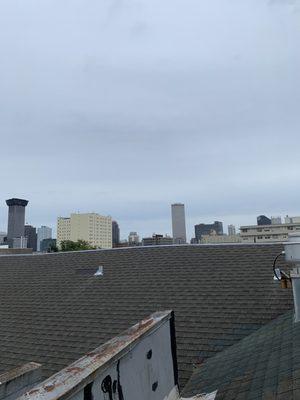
x: 149, y: 354
x: 154, y: 386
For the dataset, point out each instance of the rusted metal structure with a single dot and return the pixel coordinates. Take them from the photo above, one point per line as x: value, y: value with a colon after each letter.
x: 138, y: 364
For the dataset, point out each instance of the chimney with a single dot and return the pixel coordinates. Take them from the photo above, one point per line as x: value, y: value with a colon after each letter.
x: 292, y: 256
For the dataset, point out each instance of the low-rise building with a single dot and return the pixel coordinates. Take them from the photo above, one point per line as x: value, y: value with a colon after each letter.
x: 157, y: 240
x: 268, y: 233
x: 215, y: 239
x: 47, y: 244
x: 3, y: 235
x: 208, y: 229
x: 91, y: 227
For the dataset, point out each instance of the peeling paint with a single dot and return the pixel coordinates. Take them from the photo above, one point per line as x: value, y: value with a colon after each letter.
x: 82, y: 372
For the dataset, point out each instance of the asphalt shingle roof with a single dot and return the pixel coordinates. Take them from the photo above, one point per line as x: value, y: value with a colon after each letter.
x: 264, y: 365
x: 53, y: 309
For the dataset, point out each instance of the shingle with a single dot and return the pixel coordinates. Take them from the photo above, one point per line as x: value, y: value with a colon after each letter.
x: 274, y: 372
x: 53, y: 310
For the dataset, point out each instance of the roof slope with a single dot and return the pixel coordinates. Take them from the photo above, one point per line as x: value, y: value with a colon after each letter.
x: 264, y: 365
x: 53, y: 309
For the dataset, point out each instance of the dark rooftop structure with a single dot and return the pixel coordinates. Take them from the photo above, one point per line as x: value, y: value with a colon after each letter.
x: 264, y: 365
x: 53, y: 309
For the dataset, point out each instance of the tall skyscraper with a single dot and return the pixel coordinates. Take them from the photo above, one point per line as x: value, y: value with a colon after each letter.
x: 178, y: 223
x: 231, y: 230
x: 16, y: 221
x: 30, y: 234
x: 115, y: 233
x: 44, y: 232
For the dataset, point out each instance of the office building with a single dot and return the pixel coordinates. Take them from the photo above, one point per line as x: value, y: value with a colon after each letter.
x: 276, y: 220
x: 19, y: 242
x: 270, y: 232
x: 157, y: 240
x: 44, y: 232
x: 231, y: 230
x: 178, y: 223
x: 208, y: 229
x: 292, y: 220
x: 263, y: 220
x: 115, y: 234
x: 3, y: 236
x: 133, y: 239
x: 31, y: 236
x: 46, y: 245
x: 16, y: 221
x: 91, y: 227
x: 219, y: 239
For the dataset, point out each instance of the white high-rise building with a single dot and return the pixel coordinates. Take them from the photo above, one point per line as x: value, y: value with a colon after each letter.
x: 91, y: 227
x: 133, y: 238
x: 231, y: 230
x: 44, y: 232
x: 178, y: 223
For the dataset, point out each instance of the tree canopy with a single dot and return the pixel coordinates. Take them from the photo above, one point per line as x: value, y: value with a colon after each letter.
x: 69, y: 245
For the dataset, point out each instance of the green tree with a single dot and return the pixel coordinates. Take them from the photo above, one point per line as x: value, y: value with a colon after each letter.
x: 69, y: 245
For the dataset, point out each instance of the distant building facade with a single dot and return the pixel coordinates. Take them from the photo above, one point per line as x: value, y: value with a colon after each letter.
x: 218, y: 239
x: 19, y: 243
x: 115, y: 234
x: 16, y: 222
x: 47, y: 244
x: 91, y: 227
x: 31, y: 236
x: 3, y: 236
x: 208, y: 229
x: 133, y: 239
x: 269, y: 232
x: 178, y: 223
x: 157, y: 240
x: 276, y: 220
x: 263, y: 220
x: 44, y: 232
x: 231, y: 230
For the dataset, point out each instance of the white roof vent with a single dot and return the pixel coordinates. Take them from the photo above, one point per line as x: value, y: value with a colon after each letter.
x: 99, y: 271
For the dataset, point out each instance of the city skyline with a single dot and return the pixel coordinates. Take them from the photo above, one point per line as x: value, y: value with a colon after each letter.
x: 146, y: 228
x: 134, y: 110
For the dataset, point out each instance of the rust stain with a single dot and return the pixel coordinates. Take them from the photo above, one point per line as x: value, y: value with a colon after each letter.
x: 33, y: 391
x: 49, y: 388
x: 74, y: 370
x: 88, y: 364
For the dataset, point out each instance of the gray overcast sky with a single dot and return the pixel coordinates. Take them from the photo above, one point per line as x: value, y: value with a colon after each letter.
x: 124, y: 106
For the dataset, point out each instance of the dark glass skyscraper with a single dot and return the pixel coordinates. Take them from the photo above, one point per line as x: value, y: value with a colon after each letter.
x: 115, y: 234
x: 263, y: 220
x: 30, y: 234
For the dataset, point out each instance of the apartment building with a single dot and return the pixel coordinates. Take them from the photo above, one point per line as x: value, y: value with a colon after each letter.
x: 93, y: 228
x: 217, y: 239
x: 275, y: 232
